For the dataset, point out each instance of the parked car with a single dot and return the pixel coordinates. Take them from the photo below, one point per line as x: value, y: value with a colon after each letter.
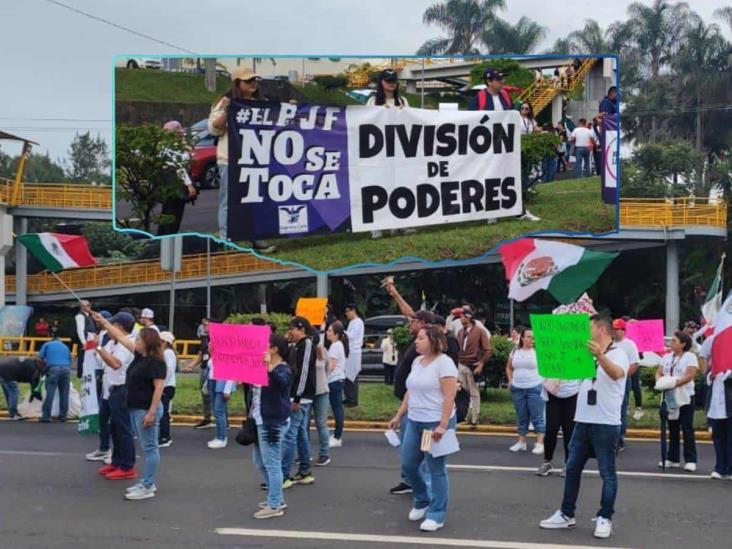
x: 203, y: 169
x: 140, y: 63
x: 376, y: 327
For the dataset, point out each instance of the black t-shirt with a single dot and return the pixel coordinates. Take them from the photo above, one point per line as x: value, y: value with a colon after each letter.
x: 140, y: 376
x: 403, y: 369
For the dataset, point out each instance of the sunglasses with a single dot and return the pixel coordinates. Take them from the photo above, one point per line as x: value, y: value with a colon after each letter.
x: 251, y: 80
x: 525, y: 108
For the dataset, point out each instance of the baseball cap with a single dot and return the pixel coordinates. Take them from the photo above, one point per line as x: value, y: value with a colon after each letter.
x: 439, y: 320
x: 468, y: 311
x: 619, y: 324
x: 147, y: 313
x: 457, y: 312
x: 301, y: 323
x: 389, y: 75
x: 125, y: 320
x: 243, y: 73
x: 168, y: 337
x: 691, y: 324
x: 493, y: 74
x: 425, y: 316
x: 105, y: 314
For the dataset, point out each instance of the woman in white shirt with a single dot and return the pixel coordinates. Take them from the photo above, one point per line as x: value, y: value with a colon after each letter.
x: 683, y: 365
x: 528, y: 124
x: 429, y: 405
x: 525, y: 385
x: 171, y: 365
x: 718, y: 417
x: 336, y: 368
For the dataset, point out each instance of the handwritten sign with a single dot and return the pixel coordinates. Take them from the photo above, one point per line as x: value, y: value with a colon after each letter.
x: 312, y: 308
x: 646, y: 334
x: 561, y: 346
x: 237, y: 352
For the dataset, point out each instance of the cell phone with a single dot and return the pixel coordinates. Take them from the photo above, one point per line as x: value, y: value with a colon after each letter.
x: 591, y: 397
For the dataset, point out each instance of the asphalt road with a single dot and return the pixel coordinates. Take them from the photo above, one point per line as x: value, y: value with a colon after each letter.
x: 199, y: 218
x: 52, y: 498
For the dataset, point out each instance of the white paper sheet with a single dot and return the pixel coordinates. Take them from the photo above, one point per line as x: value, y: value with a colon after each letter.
x: 447, y: 445
x: 393, y: 438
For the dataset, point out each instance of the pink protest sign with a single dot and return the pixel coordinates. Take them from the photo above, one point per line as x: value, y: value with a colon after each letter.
x: 646, y: 334
x: 237, y: 352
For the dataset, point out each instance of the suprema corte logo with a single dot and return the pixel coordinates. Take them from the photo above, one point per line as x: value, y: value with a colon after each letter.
x: 293, y: 219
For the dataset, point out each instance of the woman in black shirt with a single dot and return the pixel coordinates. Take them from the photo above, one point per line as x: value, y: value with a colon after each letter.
x: 145, y: 383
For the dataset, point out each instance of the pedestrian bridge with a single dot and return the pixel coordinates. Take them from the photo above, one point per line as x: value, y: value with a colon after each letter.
x: 57, y: 200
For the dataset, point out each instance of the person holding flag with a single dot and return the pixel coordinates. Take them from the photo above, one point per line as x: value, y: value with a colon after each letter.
x: 718, y: 404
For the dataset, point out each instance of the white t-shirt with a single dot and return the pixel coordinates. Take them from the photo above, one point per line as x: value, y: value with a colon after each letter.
x: 610, y: 393
x: 372, y: 102
x: 256, y: 409
x: 718, y: 404
x: 171, y: 364
x: 676, y: 366
x: 582, y: 136
x: 528, y: 126
x: 425, y: 391
x: 355, y: 335
x: 116, y: 377
x: 389, y: 352
x: 630, y: 348
x: 525, y: 369
x: 568, y: 388
x: 337, y: 352
x: 497, y: 105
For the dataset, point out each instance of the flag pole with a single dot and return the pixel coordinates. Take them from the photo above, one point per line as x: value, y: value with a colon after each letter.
x: 72, y: 292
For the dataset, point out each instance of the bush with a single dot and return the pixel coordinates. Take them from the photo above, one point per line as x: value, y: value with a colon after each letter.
x: 495, y: 370
x: 331, y: 82
x: 280, y: 320
x: 402, y: 338
x: 514, y: 74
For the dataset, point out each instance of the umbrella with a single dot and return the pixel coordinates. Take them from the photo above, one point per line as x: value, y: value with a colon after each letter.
x: 664, y: 424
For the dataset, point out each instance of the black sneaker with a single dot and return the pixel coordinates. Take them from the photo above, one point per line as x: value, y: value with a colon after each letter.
x: 322, y: 461
x: 263, y: 247
x: 621, y: 447
x: 401, y: 488
x: 203, y: 424
x: 263, y: 486
x: 304, y: 478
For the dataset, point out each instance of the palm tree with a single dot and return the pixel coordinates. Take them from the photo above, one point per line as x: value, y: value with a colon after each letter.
x: 656, y: 30
x: 561, y: 46
x: 463, y: 21
x: 591, y: 39
x: 503, y: 37
x: 725, y: 14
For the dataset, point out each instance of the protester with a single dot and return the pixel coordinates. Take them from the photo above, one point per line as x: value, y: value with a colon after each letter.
x: 202, y: 359
x: 336, y: 367
x: 582, y: 137
x: 147, y: 319
x: 719, y: 402
x: 560, y: 410
x: 220, y: 391
x: 538, y: 77
x: 595, y: 146
x: 692, y: 328
x: 475, y: 350
x: 525, y: 384
x: 117, y: 357
x: 630, y: 348
x: 245, y: 84
x: 56, y: 356
x: 84, y: 326
x: 270, y: 410
x: 171, y: 365
x: 355, y: 332
x: 319, y: 409
x: 596, y: 431
x: 389, y: 356
x: 528, y: 123
x: 681, y: 364
x: 429, y: 405
x: 14, y: 370
x: 516, y: 334
x: 41, y: 328
x: 609, y: 103
x: 55, y: 329
x: 562, y: 150
x: 171, y: 213
x: 453, y: 347
x: 494, y: 97
x: 104, y: 452
x: 302, y: 361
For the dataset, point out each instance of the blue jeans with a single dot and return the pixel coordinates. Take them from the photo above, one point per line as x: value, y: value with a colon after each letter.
x: 123, y: 443
x: 722, y: 437
x: 319, y: 411
x: 529, y: 404
x: 223, y: 199
x: 423, y: 470
x: 148, y: 442
x: 549, y: 168
x: 268, y: 459
x: 336, y: 404
x: 11, y: 392
x: 602, y: 440
x: 582, y: 154
x: 105, y: 416
x: 624, y: 411
x: 57, y: 377
x: 220, y: 411
x: 297, y: 435
x: 434, y: 497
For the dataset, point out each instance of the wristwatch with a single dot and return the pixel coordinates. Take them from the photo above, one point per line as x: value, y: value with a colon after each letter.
x: 99, y: 348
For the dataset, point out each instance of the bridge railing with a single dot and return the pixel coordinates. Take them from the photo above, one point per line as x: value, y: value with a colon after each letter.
x: 673, y: 212
x: 57, y: 195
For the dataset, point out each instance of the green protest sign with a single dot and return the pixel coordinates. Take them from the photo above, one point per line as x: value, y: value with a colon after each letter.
x: 561, y: 346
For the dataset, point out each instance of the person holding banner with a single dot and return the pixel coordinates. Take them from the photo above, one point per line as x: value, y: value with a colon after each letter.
x: 596, y: 431
x: 336, y: 366
x: 355, y: 331
x: 429, y: 406
x: 525, y: 384
x: 271, y: 411
x: 560, y: 409
x: 244, y: 85
x: 171, y: 365
x: 681, y: 364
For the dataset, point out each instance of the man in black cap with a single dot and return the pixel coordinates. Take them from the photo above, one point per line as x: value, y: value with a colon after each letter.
x: 493, y: 97
x: 475, y: 350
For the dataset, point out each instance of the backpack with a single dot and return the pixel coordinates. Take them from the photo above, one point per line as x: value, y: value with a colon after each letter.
x: 483, y: 99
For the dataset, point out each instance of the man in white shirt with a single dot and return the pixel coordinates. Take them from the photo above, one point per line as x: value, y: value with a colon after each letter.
x: 630, y: 348
x: 147, y: 319
x: 583, y: 139
x: 597, y: 429
x: 355, y: 332
x: 84, y: 326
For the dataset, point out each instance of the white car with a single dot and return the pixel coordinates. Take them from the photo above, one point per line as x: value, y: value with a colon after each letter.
x: 140, y: 63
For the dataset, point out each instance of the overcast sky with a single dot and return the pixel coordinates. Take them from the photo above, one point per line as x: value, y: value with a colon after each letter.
x: 57, y: 64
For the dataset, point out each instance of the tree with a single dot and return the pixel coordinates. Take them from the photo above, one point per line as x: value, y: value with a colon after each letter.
x: 148, y: 161
x: 39, y: 168
x: 89, y: 159
x: 110, y: 246
x: 562, y: 46
x: 503, y: 37
x: 463, y: 20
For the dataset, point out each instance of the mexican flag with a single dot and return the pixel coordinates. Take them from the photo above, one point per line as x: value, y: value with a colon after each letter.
x: 714, y: 300
x: 89, y: 415
x: 565, y: 270
x: 58, y: 251
x: 722, y: 344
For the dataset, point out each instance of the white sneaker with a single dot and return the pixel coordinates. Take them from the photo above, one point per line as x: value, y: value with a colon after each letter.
x: 528, y: 216
x: 492, y: 221
x: 334, y: 442
x: 691, y: 467
x: 376, y: 234
x: 638, y: 414
x: 669, y: 464
x: 216, y: 444
x: 430, y: 525
x: 98, y: 455
x: 518, y: 447
x: 140, y: 486
x: 717, y: 476
x: 603, y: 527
x: 107, y: 460
x: 417, y: 514
x: 538, y: 449
x: 557, y: 522
x: 142, y: 493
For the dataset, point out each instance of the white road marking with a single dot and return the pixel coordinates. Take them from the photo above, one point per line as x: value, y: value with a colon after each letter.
x: 586, y: 471
x: 407, y: 540
x: 31, y: 453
